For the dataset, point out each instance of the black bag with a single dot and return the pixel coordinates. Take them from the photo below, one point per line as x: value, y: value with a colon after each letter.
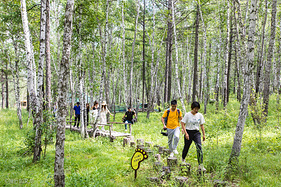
x: 164, y: 133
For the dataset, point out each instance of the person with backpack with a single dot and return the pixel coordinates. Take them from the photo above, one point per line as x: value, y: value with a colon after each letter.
x: 191, y: 123
x: 170, y: 120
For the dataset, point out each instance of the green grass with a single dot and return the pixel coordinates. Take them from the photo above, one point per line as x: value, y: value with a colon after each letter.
x: 98, y: 162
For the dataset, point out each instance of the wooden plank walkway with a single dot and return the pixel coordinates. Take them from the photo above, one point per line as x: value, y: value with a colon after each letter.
x: 104, y: 133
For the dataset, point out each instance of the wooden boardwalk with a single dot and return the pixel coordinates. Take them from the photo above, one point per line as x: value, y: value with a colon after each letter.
x: 94, y: 132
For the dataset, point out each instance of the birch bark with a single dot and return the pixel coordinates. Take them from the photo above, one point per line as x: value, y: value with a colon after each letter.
x: 48, y: 57
x: 123, y: 57
x: 39, y: 104
x: 133, y: 56
x: 236, y: 148
x: 266, y: 90
x: 59, y: 176
x: 177, y: 59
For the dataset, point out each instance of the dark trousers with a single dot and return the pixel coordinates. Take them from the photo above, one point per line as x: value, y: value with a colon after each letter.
x: 195, y: 136
x: 77, y: 117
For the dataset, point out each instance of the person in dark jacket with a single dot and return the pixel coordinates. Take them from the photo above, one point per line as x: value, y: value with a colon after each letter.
x: 129, y: 117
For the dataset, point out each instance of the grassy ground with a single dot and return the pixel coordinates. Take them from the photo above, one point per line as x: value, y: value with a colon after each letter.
x: 97, y: 162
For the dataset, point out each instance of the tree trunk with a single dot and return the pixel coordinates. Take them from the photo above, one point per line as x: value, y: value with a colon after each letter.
x: 16, y: 84
x: 7, y: 86
x: 229, y: 59
x: 59, y: 176
x: 189, y: 71
x: 233, y: 160
x: 195, y: 56
x: 225, y: 83
x: 123, y: 57
x: 177, y: 59
x: 48, y: 58
x: 143, y: 56
x: 2, y: 90
x: 29, y: 59
x: 133, y: 56
x: 266, y: 90
x: 39, y: 105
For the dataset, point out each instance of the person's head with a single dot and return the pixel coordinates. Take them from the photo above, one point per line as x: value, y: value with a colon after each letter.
x: 96, y: 104
x: 129, y: 109
x: 103, y: 105
x: 195, y: 106
x: 174, y: 104
x: 77, y: 103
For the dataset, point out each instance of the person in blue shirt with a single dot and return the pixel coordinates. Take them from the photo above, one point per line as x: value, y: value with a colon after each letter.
x: 76, y: 111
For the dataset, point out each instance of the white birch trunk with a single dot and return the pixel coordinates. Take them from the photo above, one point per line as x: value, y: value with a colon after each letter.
x: 39, y: 105
x: 133, y: 56
x: 177, y: 59
x: 123, y: 57
x: 189, y: 71
x: 48, y: 57
x: 266, y: 90
x: 233, y: 160
x: 59, y: 176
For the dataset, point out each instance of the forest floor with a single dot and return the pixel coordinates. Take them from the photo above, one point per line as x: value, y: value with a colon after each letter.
x: 98, y: 162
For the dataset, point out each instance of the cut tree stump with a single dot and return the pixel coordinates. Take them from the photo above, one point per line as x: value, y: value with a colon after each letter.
x: 131, y: 138
x: 185, y: 169
x: 182, y: 181
x: 158, y: 157
x: 112, y: 138
x: 133, y: 144
x: 140, y: 141
x: 140, y: 146
x: 126, y: 141
x: 148, y: 144
x: 172, y: 162
x: 157, y: 166
x: 166, y: 173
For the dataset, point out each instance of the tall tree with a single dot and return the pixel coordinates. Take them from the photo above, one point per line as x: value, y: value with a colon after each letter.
x: 236, y: 148
x: 123, y: 56
x: 39, y: 104
x: 59, y: 176
x: 48, y: 57
x: 269, y: 58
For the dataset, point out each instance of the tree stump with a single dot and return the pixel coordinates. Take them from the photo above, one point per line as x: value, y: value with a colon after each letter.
x: 185, y: 169
x: 172, y: 162
x: 126, y: 141
x: 158, y: 157
x: 140, y: 146
x: 157, y: 166
x: 140, y: 141
x: 166, y: 152
x: 182, y: 181
x: 148, y: 144
x: 160, y: 149
x: 133, y: 144
x: 112, y: 138
x: 166, y: 173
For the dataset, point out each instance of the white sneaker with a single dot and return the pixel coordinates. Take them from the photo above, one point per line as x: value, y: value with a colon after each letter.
x: 201, y: 168
x: 172, y: 154
x: 176, y: 152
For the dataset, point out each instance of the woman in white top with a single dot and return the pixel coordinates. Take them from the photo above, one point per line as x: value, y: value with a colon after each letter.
x: 103, y: 112
x: 191, y: 123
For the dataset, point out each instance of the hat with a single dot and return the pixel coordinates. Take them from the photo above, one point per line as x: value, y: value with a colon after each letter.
x: 103, y: 103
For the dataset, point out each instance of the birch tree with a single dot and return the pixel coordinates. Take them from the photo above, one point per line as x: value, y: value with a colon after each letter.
x: 39, y: 105
x: 59, y: 176
x: 269, y: 58
x: 133, y: 56
x: 48, y: 56
x: 236, y: 148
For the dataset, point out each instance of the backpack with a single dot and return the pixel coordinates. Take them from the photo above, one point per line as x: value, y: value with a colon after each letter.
x: 168, y: 112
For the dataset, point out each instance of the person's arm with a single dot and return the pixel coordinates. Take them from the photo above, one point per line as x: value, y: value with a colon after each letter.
x: 203, y: 132
x: 163, y: 122
x: 184, y: 130
x: 74, y: 113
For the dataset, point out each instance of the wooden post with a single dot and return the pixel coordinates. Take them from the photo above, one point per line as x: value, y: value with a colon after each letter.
x: 130, y: 128
x: 160, y: 150
x: 126, y: 141
x: 185, y: 168
x: 172, y: 162
x: 157, y: 166
x: 133, y: 144
x: 182, y: 181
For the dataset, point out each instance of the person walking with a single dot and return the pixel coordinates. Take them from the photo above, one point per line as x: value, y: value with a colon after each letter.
x: 76, y: 111
x: 104, y: 110
x: 191, y: 123
x: 129, y: 117
x: 170, y: 120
